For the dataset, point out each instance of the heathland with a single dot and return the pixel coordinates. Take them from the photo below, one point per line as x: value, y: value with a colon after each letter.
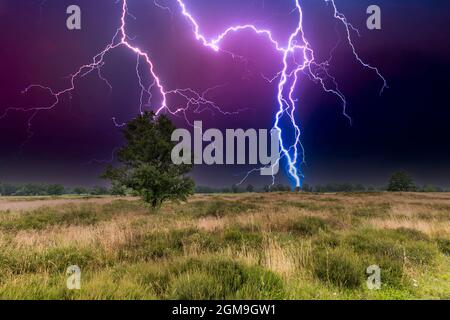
x: 228, y: 246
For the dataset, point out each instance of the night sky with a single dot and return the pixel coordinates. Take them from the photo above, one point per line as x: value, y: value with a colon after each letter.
x: 406, y: 128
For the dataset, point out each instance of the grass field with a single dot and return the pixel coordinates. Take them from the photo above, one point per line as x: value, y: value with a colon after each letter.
x: 243, y: 246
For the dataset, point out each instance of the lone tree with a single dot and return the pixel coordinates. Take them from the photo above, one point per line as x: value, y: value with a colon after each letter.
x: 401, y: 181
x: 146, y: 164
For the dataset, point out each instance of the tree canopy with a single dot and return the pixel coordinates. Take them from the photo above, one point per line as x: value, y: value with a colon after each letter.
x: 401, y: 181
x: 146, y: 164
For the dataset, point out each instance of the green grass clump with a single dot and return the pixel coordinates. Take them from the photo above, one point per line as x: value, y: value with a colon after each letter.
x: 195, y: 285
x: 159, y: 245
x: 156, y: 279
x: 324, y: 240
x: 46, y: 217
x: 392, y: 271
x: 372, y: 211
x: 309, y: 206
x: 308, y: 226
x: 406, y: 234
x: 444, y: 245
x: 340, y: 267
x: 52, y: 260
x: 59, y: 259
x: 393, y: 251
x: 87, y: 214
x: 218, y: 208
x: 223, y: 279
x: 261, y: 284
x: 400, y: 244
x: 239, y: 237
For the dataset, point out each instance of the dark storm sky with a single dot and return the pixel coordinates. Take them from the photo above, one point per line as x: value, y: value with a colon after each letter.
x: 406, y: 128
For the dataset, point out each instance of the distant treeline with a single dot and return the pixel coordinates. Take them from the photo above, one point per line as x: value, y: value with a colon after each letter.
x: 335, y: 187
x: 399, y: 182
x: 31, y: 189
x: 330, y: 187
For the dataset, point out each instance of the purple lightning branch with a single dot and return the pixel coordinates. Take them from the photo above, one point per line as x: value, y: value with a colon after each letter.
x: 288, y: 77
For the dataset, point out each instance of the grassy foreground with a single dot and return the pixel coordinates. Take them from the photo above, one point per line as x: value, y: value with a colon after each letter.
x: 245, y: 246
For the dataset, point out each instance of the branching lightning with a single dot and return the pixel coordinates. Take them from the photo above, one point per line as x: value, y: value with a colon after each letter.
x: 297, y: 56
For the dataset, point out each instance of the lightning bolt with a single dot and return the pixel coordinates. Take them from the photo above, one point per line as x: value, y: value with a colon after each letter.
x: 297, y: 48
x: 120, y: 39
